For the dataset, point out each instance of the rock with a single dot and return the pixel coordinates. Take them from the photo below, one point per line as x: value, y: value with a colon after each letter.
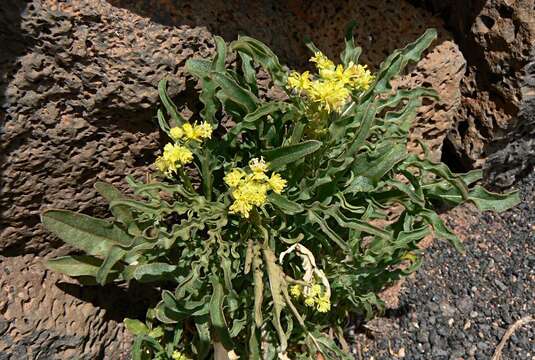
x: 465, y: 304
x: 49, y: 316
x: 79, y: 108
x: 497, y: 39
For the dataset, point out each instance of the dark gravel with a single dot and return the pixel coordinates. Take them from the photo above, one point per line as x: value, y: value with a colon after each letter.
x: 459, y: 307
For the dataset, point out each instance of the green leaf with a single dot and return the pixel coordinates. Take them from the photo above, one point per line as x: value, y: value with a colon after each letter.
x: 218, y: 63
x: 77, y: 265
x: 121, y: 213
x: 94, y: 236
x: 382, y: 162
x: 286, y: 205
x: 258, y: 280
x: 351, y: 52
x: 233, y: 91
x: 217, y: 316
x: 399, y: 59
x: 162, y: 122
x: 486, y: 200
x: 441, y: 230
x: 136, y: 327
x: 199, y: 67
x: 327, y: 347
x: 288, y: 154
x: 168, y: 104
x: 262, y: 55
x: 153, y: 272
x: 275, y: 277
x: 249, y: 73
x: 115, y: 254
x: 203, y: 343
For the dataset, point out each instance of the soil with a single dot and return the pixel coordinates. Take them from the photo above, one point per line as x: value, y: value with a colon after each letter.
x: 460, y: 306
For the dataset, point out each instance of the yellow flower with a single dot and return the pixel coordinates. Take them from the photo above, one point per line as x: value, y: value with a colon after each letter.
x: 361, y: 77
x: 299, y: 81
x: 241, y: 207
x: 176, y: 133
x: 310, y: 301
x: 177, y: 153
x: 331, y: 95
x: 189, y: 131
x: 322, y: 61
x: 161, y: 164
x: 258, y: 166
x: 296, y: 291
x: 234, y: 177
x: 314, y: 290
x: 204, y: 130
x: 252, y: 192
x: 173, y: 157
x: 251, y: 189
x: 177, y: 355
x: 277, y: 183
x: 323, y: 304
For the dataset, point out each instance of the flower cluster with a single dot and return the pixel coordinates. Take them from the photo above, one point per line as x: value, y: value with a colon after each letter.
x: 250, y: 189
x: 313, y: 295
x: 333, y: 85
x: 178, y: 154
x: 177, y: 355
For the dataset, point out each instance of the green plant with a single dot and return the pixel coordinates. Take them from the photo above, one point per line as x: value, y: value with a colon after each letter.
x: 254, y: 231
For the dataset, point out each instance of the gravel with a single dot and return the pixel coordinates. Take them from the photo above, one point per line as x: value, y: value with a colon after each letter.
x: 460, y: 306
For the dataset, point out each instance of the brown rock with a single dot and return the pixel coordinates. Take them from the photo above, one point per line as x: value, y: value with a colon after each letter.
x: 79, y: 108
x: 49, y: 316
x: 497, y: 38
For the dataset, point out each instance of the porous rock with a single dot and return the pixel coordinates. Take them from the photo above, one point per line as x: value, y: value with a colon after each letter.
x: 79, y: 107
x: 46, y: 315
x: 497, y: 38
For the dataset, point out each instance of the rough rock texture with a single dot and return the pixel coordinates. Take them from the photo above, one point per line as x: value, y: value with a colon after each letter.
x: 517, y: 153
x: 497, y: 37
x: 79, y: 108
x: 48, y: 316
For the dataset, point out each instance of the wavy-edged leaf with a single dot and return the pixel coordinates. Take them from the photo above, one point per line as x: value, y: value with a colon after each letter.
x: 286, y: 205
x: 249, y: 73
x: 121, y: 213
x: 258, y: 281
x: 153, y: 272
x: 92, y: 235
x: 399, y: 59
x: 217, y: 317
x: 199, y: 68
x: 234, y: 92
x: 262, y: 55
x: 275, y: 277
x: 288, y: 154
x: 115, y: 254
x: 441, y: 230
x: 203, y: 338
x: 381, y: 162
x: 351, y: 52
x: 135, y: 326
x: 168, y: 104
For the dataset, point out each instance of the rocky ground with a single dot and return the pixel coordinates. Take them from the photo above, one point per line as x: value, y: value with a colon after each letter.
x: 459, y: 307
